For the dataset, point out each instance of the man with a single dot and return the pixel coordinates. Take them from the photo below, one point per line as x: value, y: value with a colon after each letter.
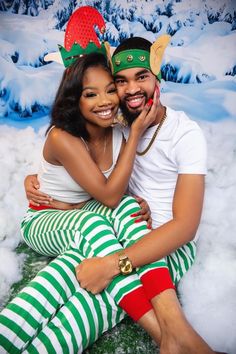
x: 169, y: 174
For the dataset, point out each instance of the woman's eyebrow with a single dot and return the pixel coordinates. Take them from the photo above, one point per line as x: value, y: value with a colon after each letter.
x: 89, y: 88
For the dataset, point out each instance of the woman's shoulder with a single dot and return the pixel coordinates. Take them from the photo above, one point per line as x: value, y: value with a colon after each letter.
x: 56, y: 133
x: 60, y: 139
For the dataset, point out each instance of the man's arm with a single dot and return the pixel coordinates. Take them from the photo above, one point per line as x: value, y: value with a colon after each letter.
x: 38, y: 198
x: 187, y: 208
x: 32, y: 192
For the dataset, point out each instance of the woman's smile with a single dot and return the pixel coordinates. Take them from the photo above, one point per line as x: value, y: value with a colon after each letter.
x: 99, y: 100
x: 105, y: 114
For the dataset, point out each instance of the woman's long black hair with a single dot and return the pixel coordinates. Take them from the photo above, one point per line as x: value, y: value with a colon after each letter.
x: 65, y: 112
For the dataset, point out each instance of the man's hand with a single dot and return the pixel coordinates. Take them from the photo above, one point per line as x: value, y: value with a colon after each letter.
x: 33, y: 194
x: 144, y: 214
x: 94, y: 274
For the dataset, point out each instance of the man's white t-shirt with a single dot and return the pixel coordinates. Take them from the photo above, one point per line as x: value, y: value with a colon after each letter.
x: 179, y: 148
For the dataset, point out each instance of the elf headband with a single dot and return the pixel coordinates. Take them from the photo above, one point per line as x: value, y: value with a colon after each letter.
x: 139, y: 58
x: 80, y: 37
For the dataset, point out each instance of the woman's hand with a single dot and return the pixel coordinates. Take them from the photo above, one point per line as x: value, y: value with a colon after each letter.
x: 144, y: 214
x: 94, y: 274
x: 33, y: 194
x: 146, y: 117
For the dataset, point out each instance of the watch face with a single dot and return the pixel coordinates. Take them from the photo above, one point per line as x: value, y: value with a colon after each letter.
x: 125, y: 266
x: 127, y: 269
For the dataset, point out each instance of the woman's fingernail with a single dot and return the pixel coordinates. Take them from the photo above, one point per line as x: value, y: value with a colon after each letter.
x: 149, y: 102
x: 135, y: 214
x: 149, y: 227
x: 138, y: 220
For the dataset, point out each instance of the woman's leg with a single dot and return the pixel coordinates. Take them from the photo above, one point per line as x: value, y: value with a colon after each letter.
x: 77, y: 325
x: 51, y: 237
x: 51, y: 232
x: 127, y: 291
x: 54, y: 312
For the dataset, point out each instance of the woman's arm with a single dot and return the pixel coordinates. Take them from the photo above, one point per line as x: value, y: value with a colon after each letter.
x: 187, y: 208
x: 70, y: 152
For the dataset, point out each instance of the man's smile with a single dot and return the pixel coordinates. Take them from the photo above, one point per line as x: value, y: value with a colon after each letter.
x: 135, y: 101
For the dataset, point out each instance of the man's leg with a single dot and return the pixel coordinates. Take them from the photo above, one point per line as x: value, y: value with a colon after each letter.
x: 159, y: 280
x: 125, y: 229
x: 178, y: 336
x: 155, y: 277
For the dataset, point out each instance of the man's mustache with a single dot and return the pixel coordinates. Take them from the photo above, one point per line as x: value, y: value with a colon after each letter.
x: 128, y: 95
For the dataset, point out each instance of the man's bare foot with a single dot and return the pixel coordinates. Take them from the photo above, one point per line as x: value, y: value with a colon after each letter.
x: 183, y: 341
x: 177, y: 335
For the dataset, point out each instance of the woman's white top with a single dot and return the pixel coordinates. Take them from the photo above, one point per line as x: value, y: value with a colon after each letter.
x: 56, y: 181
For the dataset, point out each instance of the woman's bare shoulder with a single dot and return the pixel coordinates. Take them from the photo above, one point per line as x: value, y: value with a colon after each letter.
x: 60, y: 136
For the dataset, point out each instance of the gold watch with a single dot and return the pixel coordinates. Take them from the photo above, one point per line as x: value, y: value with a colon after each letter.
x: 125, y: 264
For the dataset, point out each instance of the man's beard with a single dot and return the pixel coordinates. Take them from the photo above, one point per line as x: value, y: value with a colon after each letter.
x: 127, y: 114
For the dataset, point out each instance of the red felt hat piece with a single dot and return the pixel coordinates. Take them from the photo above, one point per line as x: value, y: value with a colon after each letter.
x: 80, y: 27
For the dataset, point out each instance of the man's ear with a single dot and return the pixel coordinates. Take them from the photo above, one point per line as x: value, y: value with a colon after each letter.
x: 157, y: 51
x: 158, y: 89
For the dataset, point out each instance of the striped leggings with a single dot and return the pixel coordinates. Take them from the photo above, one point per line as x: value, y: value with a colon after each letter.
x: 53, y: 314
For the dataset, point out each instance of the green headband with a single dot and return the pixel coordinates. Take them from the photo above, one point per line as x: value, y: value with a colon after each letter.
x: 132, y: 58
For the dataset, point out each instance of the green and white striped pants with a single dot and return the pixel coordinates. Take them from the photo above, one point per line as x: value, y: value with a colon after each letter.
x: 53, y: 314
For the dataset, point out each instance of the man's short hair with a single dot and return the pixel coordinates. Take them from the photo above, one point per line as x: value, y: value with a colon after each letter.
x: 133, y: 43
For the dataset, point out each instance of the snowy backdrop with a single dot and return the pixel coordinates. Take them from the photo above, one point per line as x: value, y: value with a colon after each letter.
x: 198, y: 72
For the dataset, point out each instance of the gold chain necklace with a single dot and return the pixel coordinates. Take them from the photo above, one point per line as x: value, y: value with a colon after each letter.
x: 141, y: 153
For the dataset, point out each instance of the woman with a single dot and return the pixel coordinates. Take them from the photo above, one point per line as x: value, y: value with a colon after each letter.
x: 80, y: 143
